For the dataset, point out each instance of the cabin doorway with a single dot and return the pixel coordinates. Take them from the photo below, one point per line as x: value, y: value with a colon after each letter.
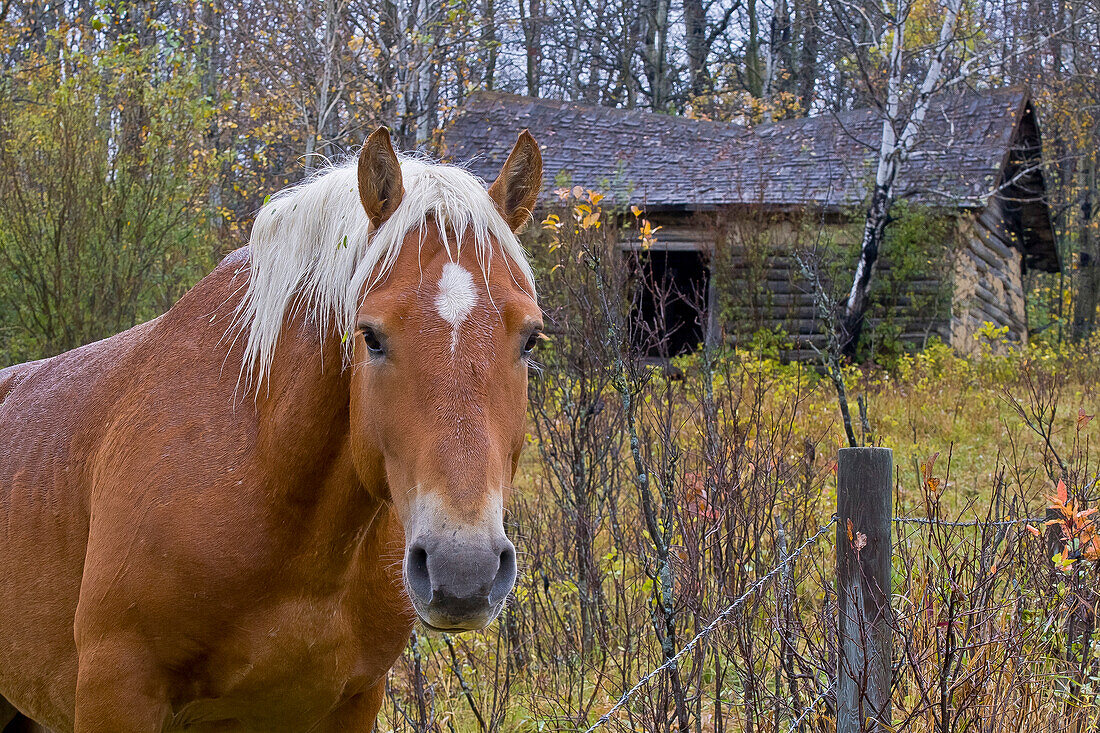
x: 672, y: 301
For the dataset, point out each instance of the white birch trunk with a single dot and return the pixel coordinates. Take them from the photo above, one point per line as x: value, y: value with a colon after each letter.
x: 893, y: 151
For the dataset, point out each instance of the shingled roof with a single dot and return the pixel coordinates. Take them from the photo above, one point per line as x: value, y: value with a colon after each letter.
x: 662, y: 162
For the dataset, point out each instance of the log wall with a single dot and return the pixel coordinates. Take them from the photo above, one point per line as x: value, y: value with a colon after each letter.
x: 989, y: 287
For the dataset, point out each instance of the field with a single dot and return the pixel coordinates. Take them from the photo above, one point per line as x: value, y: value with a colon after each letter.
x: 652, y: 497
x: 988, y: 636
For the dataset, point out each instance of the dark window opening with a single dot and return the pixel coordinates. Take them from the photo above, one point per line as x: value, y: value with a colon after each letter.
x: 671, y: 301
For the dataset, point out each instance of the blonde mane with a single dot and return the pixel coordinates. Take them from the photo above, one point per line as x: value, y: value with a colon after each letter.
x: 313, y: 251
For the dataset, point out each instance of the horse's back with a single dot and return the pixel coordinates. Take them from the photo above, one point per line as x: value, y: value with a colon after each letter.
x: 10, y: 377
x: 51, y: 412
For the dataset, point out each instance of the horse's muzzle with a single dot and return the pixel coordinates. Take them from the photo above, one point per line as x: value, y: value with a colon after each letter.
x: 459, y: 583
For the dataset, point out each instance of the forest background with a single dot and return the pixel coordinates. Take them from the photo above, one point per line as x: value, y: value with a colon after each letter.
x: 138, y: 139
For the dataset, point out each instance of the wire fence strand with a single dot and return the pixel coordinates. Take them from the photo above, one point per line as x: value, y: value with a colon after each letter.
x: 715, y: 623
x: 970, y: 523
x: 796, y: 724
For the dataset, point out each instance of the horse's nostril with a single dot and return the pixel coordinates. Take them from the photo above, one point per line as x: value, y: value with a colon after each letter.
x: 416, y: 568
x: 459, y: 584
x: 505, y: 577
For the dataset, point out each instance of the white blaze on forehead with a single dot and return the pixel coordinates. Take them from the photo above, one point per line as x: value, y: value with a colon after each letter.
x: 456, y: 298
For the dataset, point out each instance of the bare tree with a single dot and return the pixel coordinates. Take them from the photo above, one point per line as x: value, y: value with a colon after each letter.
x: 700, y: 33
x: 655, y: 53
x: 529, y: 14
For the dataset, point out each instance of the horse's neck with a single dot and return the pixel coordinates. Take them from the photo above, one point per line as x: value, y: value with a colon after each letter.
x: 305, y: 432
x: 303, y: 401
x: 296, y: 419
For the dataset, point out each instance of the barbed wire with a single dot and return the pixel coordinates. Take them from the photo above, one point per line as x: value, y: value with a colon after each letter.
x: 797, y: 723
x: 715, y: 622
x: 970, y: 523
x: 762, y: 581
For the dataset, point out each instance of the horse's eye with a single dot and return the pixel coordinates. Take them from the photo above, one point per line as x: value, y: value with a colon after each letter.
x: 532, y: 342
x: 373, y: 344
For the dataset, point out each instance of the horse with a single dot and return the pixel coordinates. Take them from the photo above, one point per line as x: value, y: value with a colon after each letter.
x: 231, y: 517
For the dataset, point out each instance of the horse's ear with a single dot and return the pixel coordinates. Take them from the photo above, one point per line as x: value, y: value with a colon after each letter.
x: 380, y: 187
x: 516, y: 188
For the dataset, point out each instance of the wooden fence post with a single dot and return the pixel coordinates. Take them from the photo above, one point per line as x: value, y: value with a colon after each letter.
x: 865, y: 656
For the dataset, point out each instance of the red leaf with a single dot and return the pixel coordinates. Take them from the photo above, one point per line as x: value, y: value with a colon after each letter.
x: 1082, y: 418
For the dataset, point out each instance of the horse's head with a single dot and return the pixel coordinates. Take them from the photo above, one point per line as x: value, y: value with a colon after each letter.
x: 439, y: 387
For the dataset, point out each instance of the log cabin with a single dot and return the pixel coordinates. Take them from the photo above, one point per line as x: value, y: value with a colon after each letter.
x: 767, y: 217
